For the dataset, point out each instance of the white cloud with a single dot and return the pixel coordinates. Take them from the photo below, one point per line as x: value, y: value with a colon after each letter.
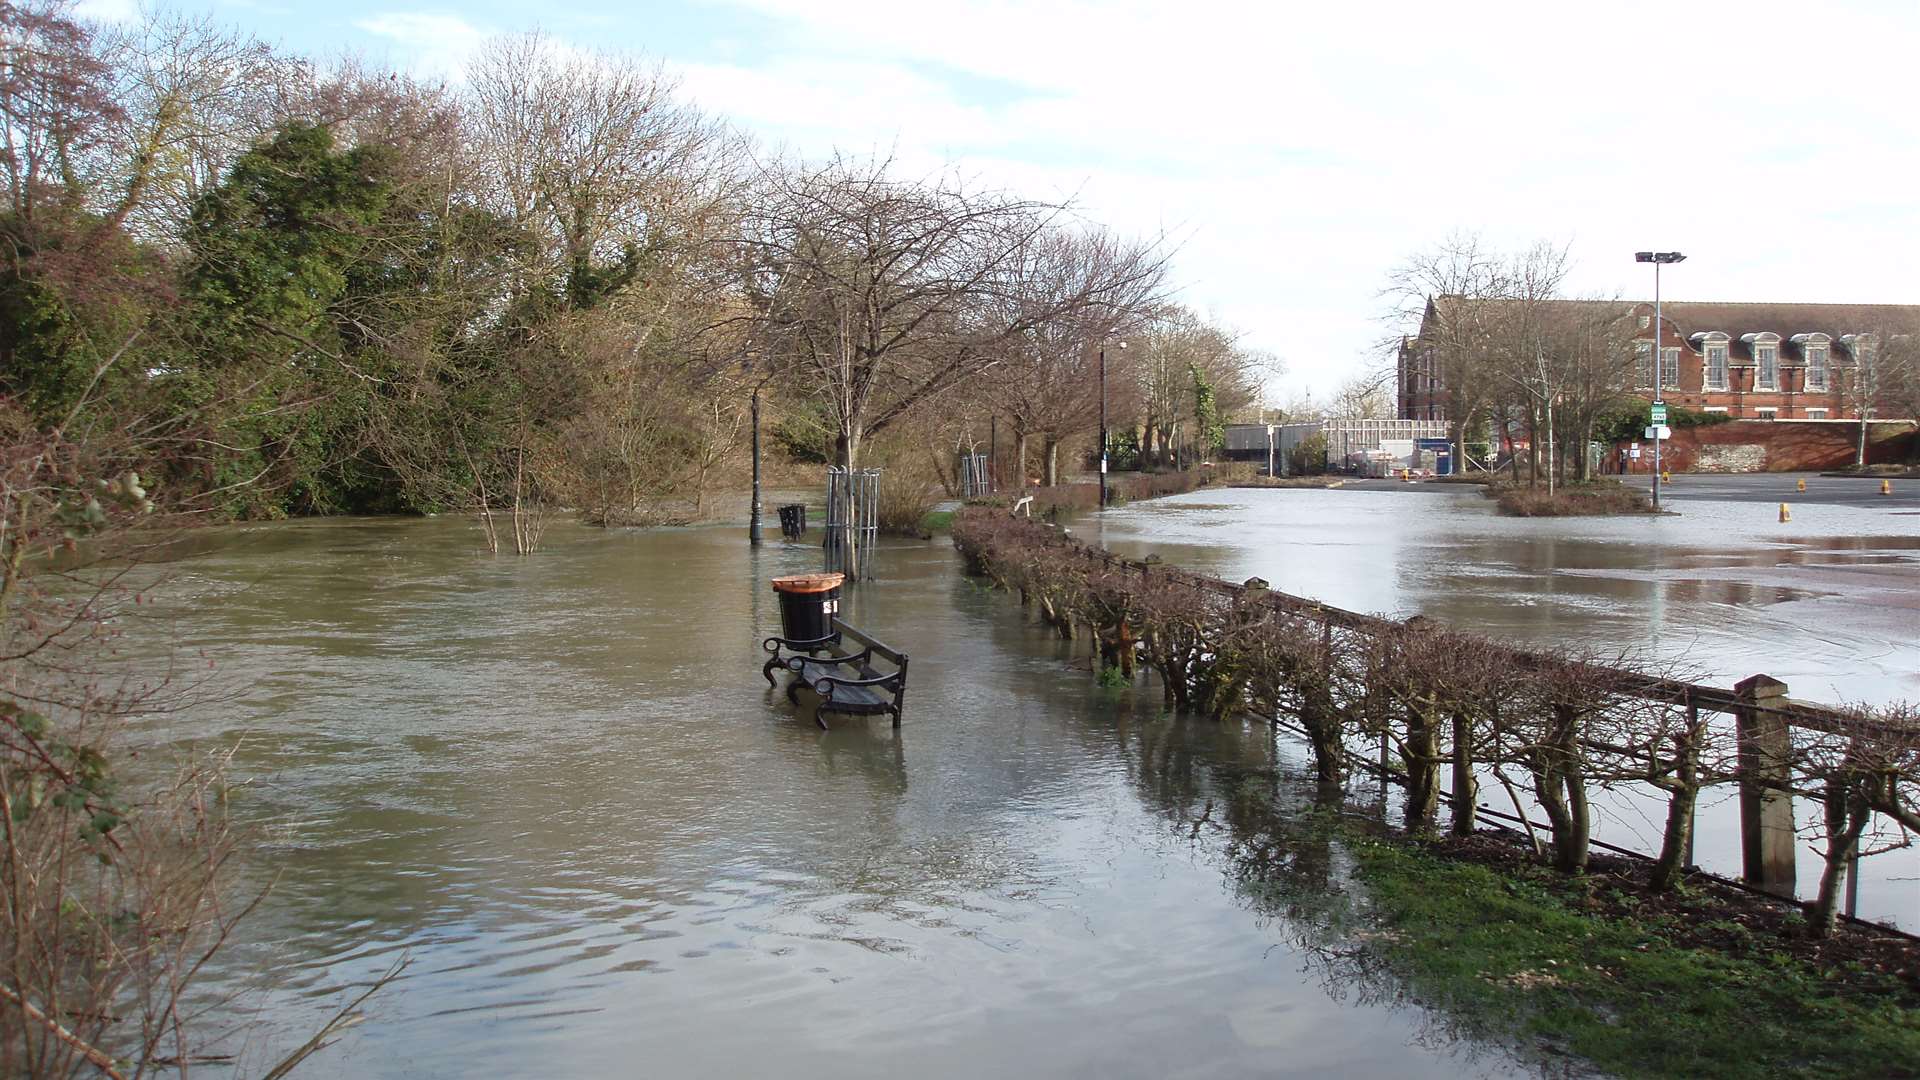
x: 428, y: 43
x: 1301, y: 151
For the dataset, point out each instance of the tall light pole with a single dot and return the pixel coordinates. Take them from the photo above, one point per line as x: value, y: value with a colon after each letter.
x: 753, y: 512
x: 1103, y: 423
x: 1658, y: 259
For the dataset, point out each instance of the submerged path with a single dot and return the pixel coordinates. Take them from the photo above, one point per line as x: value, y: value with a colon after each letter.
x: 560, y: 785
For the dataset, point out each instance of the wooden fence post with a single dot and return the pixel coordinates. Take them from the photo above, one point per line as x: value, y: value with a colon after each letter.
x: 1766, y: 806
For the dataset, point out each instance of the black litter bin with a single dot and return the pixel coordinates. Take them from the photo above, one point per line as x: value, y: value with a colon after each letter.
x: 808, y: 603
x: 793, y: 520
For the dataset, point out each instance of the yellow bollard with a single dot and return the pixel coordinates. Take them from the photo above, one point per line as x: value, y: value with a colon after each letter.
x: 1666, y: 476
x: 1886, y: 487
x: 1802, y: 486
x: 1786, y: 513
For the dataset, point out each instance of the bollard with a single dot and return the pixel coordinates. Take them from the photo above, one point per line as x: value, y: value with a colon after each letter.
x: 1886, y: 487
x: 1802, y: 486
x: 1786, y: 514
x: 1666, y: 476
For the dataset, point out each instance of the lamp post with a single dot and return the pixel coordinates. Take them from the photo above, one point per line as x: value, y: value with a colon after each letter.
x: 753, y: 513
x: 1658, y: 259
x: 1103, y: 423
x: 754, y: 508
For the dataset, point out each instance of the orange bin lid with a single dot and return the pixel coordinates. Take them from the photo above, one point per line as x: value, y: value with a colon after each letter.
x: 808, y: 583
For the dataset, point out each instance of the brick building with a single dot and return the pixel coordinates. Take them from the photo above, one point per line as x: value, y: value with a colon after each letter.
x: 1750, y: 361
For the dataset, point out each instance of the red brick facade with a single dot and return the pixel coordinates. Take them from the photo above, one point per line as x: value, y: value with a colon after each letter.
x: 1750, y: 361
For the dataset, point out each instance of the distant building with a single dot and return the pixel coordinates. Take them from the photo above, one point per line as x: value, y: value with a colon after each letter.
x: 1750, y: 361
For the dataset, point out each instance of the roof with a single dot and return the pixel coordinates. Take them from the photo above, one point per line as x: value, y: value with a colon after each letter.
x: 1687, y: 318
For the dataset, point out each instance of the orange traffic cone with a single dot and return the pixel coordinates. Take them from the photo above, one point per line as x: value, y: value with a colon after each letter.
x: 1786, y: 513
x: 1886, y: 487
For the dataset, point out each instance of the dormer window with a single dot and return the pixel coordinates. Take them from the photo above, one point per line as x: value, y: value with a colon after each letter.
x: 1817, y: 367
x: 1713, y: 346
x: 1813, y: 350
x: 1766, y: 360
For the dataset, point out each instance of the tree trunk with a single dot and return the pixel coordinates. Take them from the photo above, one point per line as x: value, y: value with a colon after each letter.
x: 1051, y: 448
x: 1020, y: 457
x: 1683, y: 794
x: 1466, y: 790
x: 1846, y: 819
x: 1420, y: 753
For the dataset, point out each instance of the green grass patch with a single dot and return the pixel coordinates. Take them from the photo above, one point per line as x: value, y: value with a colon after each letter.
x: 937, y: 521
x: 1587, y: 500
x: 1512, y: 954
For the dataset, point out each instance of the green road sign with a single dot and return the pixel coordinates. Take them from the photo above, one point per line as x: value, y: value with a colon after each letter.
x: 1659, y: 413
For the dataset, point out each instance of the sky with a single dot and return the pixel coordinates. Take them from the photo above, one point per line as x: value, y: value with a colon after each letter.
x: 1294, y: 153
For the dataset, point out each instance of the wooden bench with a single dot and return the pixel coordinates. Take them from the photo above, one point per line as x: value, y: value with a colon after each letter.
x: 846, y: 682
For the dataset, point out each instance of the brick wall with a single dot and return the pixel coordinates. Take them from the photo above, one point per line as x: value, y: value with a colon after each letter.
x: 1775, y: 446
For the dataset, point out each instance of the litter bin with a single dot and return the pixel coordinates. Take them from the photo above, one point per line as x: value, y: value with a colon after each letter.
x: 808, y: 603
x: 793, y: 520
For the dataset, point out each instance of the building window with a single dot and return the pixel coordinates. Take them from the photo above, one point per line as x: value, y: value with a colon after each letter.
x: 1816, y: 414
x: 1817, y: 367
x: 1766, y: 359
x: 1670, y: 368
x: 1765, y: 413
x: 1717, y: 365
x: 1646, y: 321
x: 1643, y: 364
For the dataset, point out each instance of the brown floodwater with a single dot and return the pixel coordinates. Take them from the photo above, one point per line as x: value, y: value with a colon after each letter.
x: 559, y: 786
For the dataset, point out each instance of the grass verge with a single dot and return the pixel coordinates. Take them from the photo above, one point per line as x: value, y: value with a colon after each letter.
x: 1588, y: 500
x: 937, y: 521
x: 1519, y: 951
x: 1290, y: 482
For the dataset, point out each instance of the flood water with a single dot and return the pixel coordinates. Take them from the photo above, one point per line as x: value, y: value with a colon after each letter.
x: 1719, y: 591
x: 560, y: 786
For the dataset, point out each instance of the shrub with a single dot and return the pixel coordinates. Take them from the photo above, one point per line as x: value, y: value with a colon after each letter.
x: 1594, y: 500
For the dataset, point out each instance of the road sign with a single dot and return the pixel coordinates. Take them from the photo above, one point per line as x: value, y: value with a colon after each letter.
x: 1661, y: 431
x: 1659, y: 413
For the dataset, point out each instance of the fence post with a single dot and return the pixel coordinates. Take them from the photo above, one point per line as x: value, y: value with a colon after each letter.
x: 1766, y: 806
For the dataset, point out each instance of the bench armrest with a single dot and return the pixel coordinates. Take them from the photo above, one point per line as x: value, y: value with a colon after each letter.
x: 821, y: 683
x: 796, y: 663
x: 776, y: 643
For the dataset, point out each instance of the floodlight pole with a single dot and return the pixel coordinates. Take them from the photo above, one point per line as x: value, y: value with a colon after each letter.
x: 1657, y: 258
x: 1103, y: 423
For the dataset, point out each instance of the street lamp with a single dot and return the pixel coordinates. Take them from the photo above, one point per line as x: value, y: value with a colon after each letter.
x: 1658, y: 259
x: 753, y: 510
x: 1103, y: 423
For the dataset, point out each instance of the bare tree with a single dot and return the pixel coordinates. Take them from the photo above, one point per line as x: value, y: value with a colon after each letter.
x: 593, y: 155
x: 1048, y: 382
x: 1477, y: 313
x: 877, y: 295
x: 1179, y: 342
x: 193, y: 96
x: 1882, y: 378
